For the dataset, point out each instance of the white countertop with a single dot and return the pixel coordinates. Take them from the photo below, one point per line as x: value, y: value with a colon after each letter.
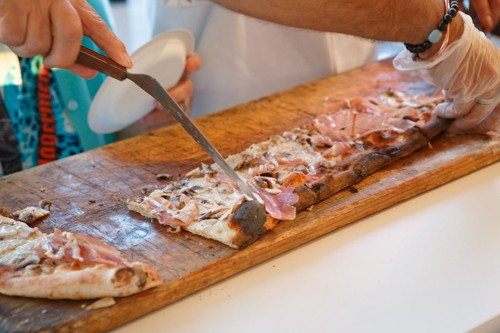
x: 430, y: 264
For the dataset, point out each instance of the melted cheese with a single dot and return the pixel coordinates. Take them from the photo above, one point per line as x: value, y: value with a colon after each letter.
x: 17, y: 241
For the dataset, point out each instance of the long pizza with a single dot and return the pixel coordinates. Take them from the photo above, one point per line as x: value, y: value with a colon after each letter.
x: 64, y: 265
x: 295, y: 169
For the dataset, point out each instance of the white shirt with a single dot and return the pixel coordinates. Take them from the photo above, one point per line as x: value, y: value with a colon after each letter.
x: 246, y: 58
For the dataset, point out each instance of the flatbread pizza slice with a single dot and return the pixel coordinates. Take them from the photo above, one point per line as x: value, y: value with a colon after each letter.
x: 64, y: 265
x: 295, y: 169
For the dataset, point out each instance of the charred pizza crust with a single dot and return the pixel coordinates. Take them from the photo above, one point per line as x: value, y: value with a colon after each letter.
x: 65, y: 265
x: 237, y: 229
x: 296, y: 169
x: 95, y: 281
x: 358, y: 166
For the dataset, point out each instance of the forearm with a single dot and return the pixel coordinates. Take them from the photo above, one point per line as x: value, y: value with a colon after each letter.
x: 408, y: 21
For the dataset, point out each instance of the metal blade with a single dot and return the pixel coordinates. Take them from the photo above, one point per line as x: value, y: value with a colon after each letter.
x: 154, y: 88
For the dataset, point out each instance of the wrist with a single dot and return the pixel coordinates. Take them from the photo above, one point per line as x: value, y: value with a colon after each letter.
x: 438, y: 38
x: 455, y: 31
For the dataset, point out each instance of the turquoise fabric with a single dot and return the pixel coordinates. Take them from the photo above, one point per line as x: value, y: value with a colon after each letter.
x: 77, y: 93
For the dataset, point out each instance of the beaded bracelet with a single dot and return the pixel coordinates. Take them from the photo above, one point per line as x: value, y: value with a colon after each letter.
x: 436, y: 34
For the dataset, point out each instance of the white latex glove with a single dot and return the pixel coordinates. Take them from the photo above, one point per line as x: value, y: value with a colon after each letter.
x: 469, y: 72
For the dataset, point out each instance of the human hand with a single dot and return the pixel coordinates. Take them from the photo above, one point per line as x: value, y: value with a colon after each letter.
x: 469, y: 73
x: 54, y: 29
x: 488, y: 13
x: 182, y: 92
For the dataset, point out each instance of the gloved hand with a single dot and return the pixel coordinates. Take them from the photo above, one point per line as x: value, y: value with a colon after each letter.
x: 469, y: 72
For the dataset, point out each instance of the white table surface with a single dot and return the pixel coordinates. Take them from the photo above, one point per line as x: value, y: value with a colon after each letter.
x: 430, y: 264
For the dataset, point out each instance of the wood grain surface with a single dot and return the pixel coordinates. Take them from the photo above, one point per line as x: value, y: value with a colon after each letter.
x: 87, y: 192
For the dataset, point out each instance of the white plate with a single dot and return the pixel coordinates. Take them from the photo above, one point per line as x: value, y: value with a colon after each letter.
x: 118, y: 104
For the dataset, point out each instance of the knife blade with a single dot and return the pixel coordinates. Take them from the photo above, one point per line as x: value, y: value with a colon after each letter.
x: 152, y: 87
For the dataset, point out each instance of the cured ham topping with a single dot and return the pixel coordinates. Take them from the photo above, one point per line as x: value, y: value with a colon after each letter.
x: 67, y: 246
x: 275, y: 167
x: 279, y: 202
x: 347, y: 125
x: 337, y: 149
x: 176, y: 212
x: 319, y: 140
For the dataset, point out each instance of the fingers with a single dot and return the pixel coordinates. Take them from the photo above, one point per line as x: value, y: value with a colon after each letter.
x: 495, y: 8
x: 182, y: 93
x: 481, y: 117
x: 481, y: 120
x: 193, y: 63
x: 491, y: 125
x: 450, y: 110
x: 475, y: 117
x: 67, y: 35
x: 23, y: 28
x: 83, y: 71
x: 96, y: 29
x: 54, y: 28
x: 13, y: 23
x: 488, y: 12
x: 47, y: 27
x: 85, y: 21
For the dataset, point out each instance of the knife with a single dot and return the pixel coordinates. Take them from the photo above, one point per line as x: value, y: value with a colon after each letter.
x: 111, y: 68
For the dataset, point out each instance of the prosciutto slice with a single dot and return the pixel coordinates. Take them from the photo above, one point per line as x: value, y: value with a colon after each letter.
x: 279, y: 202
x: 69, y: 246
x: 167, y: 213
x: 351, y: 125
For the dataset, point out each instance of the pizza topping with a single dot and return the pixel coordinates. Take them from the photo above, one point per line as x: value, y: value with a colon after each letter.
x: 68, y: 246
x: 178, y: 211
x: 294, y: 179
x: 65, y: 265
x: 30, y: 214
x: 58, y: 246
x: 45, y: 203
x: 279, y: 203
x: 8, y: 230
x: 31, y: 259
x: 207, y: 194
x: 163, y: 176
x: 264, y: 167
x: 207, y: 201
x: 336, y: 149
x: 347, y: 125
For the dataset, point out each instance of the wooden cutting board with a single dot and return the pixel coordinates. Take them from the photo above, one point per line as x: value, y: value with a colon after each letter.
x: 87, y: 192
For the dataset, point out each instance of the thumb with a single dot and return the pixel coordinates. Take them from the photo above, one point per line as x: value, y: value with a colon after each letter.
x: 477, y: 116
x: 451, y: 110
x: 483, y: 117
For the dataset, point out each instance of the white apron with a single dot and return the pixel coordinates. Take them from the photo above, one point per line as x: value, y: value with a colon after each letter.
x: 245, y: 58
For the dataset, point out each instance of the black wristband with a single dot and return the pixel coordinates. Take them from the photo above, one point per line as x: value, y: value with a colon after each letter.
x: 436, y: 34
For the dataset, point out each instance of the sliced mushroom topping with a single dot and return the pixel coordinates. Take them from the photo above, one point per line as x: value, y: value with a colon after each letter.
x: 163, y: 176
x: 30, y: 214
x: 45, y: 203
x: 265, y: 182
x: 29, y: 260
